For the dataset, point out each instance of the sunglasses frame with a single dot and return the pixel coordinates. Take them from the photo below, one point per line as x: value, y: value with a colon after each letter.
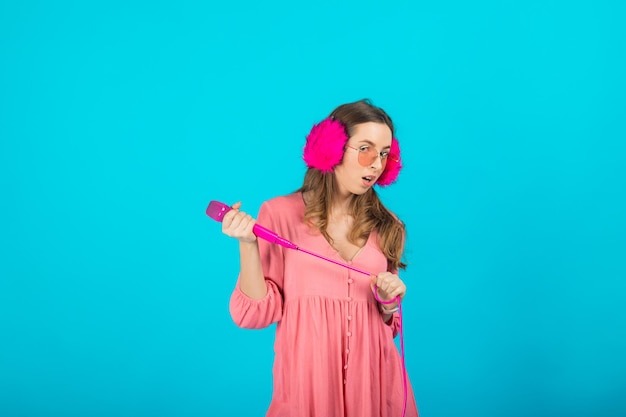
x: 383, y: 160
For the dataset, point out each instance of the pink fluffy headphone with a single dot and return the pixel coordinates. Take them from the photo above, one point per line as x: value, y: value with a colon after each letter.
x: 325, y: 146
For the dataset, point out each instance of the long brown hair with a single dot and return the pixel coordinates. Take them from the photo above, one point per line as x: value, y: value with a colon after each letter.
x: 368, y: 211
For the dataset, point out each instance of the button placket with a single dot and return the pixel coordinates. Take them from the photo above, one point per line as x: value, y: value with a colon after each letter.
x: 349, y: 299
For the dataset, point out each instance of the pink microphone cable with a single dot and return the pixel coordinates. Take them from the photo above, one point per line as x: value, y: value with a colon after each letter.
x: 217, y: 210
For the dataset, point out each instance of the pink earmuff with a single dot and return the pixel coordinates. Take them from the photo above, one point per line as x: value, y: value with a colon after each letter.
x: 393, y: 167
x: 325, y: 145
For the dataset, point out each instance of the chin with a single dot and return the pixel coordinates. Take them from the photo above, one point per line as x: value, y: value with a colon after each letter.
x: 361, y: 191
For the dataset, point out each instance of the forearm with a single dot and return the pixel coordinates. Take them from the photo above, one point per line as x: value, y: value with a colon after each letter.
x: 251, y: 278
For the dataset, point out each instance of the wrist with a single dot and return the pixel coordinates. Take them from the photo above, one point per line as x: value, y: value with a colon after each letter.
x: 388, y: 308
x: 248, y: 247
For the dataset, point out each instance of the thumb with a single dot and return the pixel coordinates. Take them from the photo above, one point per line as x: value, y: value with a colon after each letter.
x: 373, y: 280
x: 236, y: 206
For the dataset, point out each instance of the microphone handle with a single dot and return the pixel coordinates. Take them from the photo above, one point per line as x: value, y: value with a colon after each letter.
x: 272, y: 237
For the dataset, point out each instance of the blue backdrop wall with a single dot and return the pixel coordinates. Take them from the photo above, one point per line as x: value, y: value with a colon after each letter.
x: 120, y: 121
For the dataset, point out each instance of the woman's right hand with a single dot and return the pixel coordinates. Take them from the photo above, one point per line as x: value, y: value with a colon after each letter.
x: 238, y: 224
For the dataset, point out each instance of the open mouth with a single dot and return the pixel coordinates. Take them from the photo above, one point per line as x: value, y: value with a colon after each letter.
x: 369, y: 180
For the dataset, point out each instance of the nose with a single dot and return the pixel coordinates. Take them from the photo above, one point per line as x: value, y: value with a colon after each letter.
x: 377, y: 163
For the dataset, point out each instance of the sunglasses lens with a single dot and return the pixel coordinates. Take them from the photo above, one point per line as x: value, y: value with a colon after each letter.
x: 367, y: 158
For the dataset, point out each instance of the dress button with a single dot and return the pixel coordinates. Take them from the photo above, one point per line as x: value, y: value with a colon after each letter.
x: 347, y: 350
x: 349, y: 317
x: 349, y: 298
x: 345, y: 367
x: 349, y: 334
x: 350, y: 281
x: 345, y: 381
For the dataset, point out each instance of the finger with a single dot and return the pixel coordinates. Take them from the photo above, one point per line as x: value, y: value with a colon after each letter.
x: 400, y: 291
x: 380, y: 278
x: 245, y: 230
x: 382, y: 289
x: 391, y: 279
x: 236, y: 206
x: 381, y: 283
x: 234, y: 222
x: 251, y: 222
x: 228, y: 217
x: 397, y: 288
x: 246, y: 225
x: 243, y: 216
x: 383, y: 293
x: 394, y: 292
x: 388, y: 284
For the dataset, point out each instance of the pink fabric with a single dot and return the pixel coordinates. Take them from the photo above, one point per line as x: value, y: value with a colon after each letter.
x: 335, y: 357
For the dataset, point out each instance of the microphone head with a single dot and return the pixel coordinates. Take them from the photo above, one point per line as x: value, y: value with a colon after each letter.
x: 217, y: 210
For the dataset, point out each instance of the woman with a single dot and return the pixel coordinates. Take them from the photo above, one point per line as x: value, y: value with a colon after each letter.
x: 334, y: 347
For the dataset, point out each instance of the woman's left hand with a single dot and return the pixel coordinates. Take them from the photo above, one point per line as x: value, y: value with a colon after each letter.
x: 389, y: 286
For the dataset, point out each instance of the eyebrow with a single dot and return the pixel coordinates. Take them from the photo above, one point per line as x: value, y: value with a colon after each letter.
x: 369, y: 142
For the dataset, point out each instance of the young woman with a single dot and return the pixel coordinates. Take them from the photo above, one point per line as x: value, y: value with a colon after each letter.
x: 335, y: 354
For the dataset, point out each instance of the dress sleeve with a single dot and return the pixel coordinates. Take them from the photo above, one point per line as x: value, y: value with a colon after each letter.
x: 250, y: 313
x: 394, y: 323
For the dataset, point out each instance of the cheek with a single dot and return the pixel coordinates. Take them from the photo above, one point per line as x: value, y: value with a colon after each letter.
x: 343, y: 170
x: 349, y: 164
x: 339, y: 171
x: 342, y: 175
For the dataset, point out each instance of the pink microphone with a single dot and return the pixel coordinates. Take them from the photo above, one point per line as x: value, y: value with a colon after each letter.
x: 217, y: 210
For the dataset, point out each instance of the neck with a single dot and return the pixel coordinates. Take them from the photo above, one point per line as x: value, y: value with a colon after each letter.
x: 341, y: 205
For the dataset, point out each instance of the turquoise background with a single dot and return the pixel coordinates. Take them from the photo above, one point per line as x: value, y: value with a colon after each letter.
x: 120, y: 121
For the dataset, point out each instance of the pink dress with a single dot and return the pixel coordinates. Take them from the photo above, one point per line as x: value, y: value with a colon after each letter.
x: 335, y: 356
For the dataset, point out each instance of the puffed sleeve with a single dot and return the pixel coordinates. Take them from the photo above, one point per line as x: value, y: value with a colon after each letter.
x: 250, y: 313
